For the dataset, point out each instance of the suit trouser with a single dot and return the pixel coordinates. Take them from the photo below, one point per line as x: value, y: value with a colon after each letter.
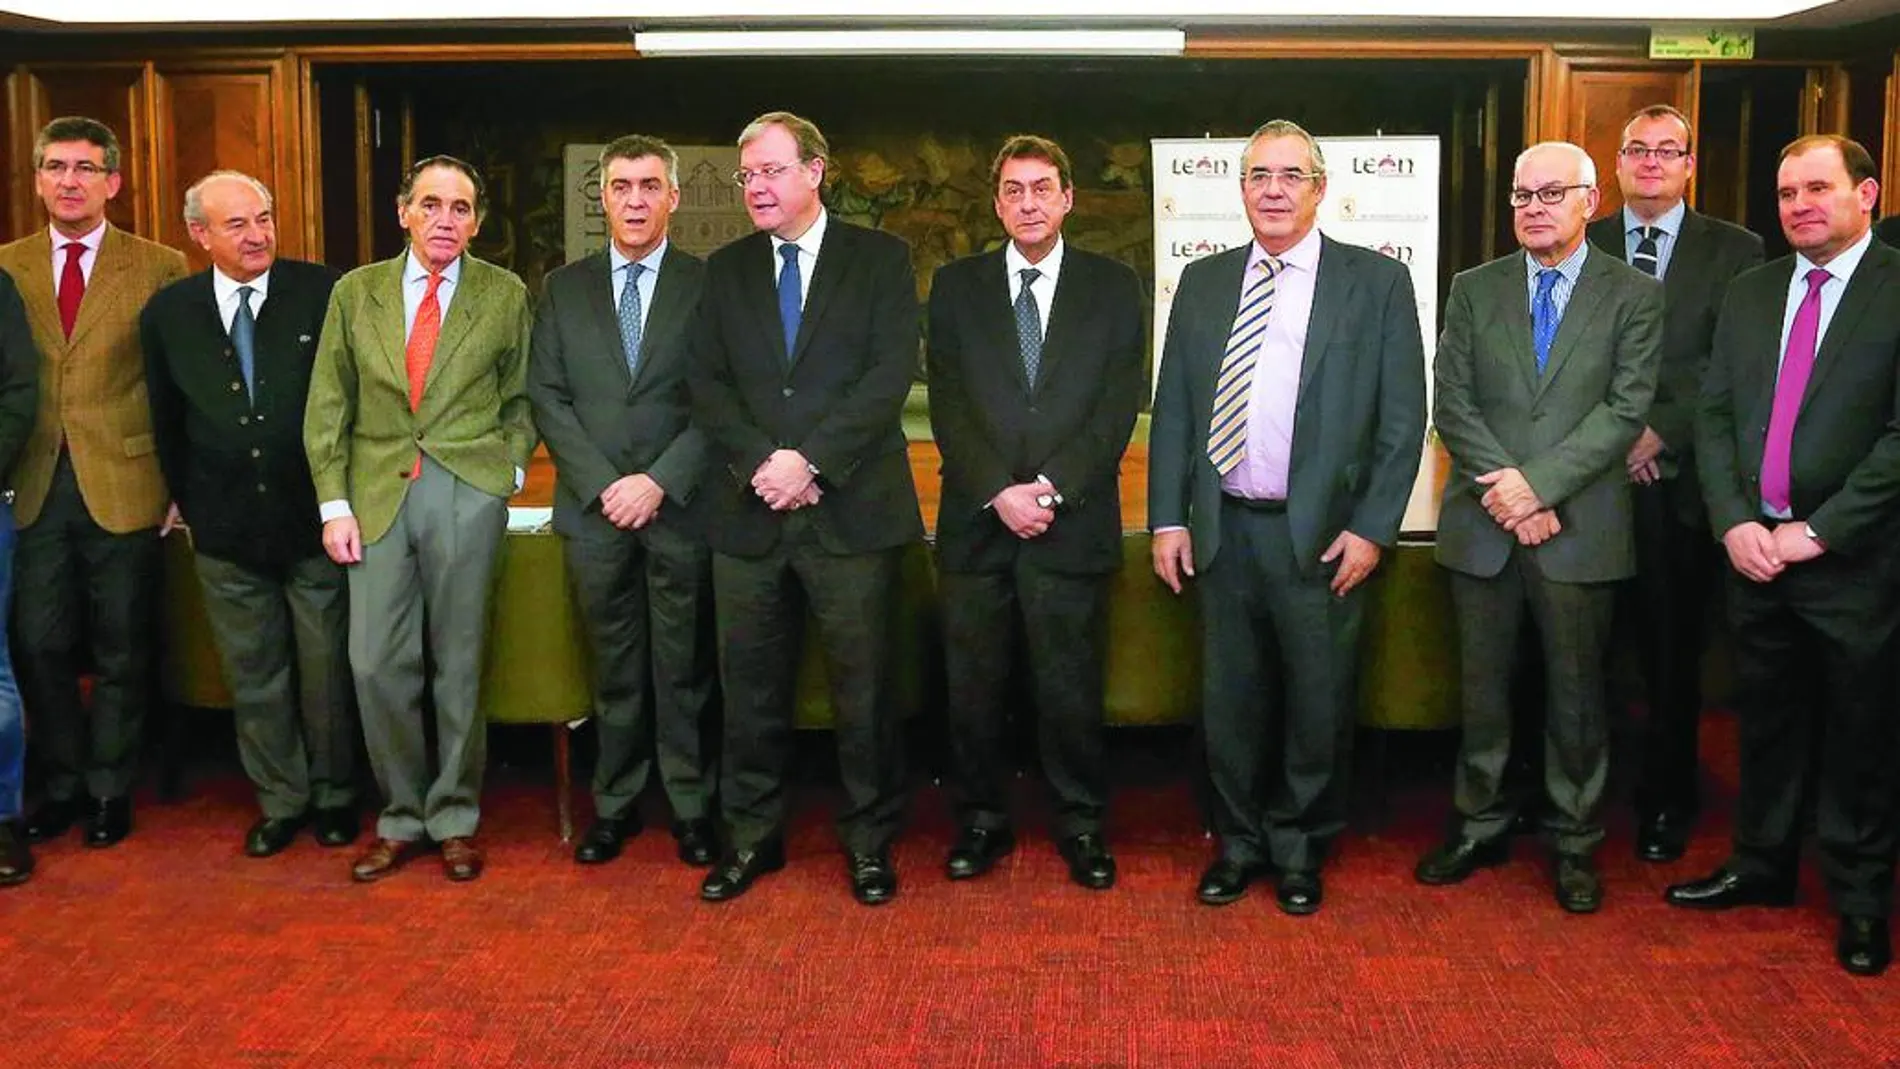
x: 283, y: 634
x: 12, y: 720
x: 1064, y: 622
x: 433, y: 570
x: 76, y: 578
x: 1573, y: 620
x: 1814, y: 671
x: 760, y: 606
x: 1675, y: 562
x: 646, y: 601
x: 1279, y: 662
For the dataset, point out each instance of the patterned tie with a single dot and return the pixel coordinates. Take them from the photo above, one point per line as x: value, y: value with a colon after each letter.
x: 244, y: 340
x: 1544, y: 317
x: 72, y: 286
x: 1796, y: 366
x: 1227, y: 431
x: 421, y: 350
x: 1646, y: 257
x: 790, y: 300
x: 1029, y: 326
x: 630, y: 317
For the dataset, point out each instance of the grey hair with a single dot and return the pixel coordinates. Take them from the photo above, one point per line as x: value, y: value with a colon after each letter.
x: 1287, y: 128
x: 195, y: 196
x: 1586, y: 167
x: 640, y: 146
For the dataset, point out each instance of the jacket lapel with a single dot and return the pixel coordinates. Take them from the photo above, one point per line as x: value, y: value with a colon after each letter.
x: 387, y: 318
x: 1591, y: 284
x: 471, y: 296
x: 826, y: 278
x: 103, y: 288
x: 1514, y: 297
x: 1068, y: 309
x: 998, y: 317
x: 668, y: 313
x: 761, y: 294
x: 1874, y: 275
x: 603, y: 313
x: 1332, y: 288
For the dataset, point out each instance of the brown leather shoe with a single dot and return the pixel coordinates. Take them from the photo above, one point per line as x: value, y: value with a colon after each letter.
x: 461, y: 859
x: 383, y: 858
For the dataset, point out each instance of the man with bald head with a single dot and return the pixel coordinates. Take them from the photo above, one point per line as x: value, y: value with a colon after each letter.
x: 228, y: 353
x: 1545, y: 372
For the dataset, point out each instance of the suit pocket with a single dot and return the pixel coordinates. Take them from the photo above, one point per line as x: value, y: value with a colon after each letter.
x: 139, y: 445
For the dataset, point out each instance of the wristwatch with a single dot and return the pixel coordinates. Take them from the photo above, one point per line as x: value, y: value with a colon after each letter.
x: 1046, y: 501
x: 1808, y: 529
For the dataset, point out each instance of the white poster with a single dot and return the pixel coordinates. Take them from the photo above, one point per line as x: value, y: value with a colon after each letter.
x: 1381, y: 192
x: 711, y: 212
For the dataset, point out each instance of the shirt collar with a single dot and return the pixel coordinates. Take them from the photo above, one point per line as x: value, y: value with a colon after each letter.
x: 1842, y: 266
x: 808, y: 242
x: 651, y: 261
x: 1570, y: 268
x: 1303, y: 256
x: 1017, y: 263
x: 91, y: 240
x: 1669, y: 222
x: 414, y: 271
x: 224, y: 288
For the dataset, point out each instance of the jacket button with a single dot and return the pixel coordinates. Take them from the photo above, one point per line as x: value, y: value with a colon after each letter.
x: 260, y: 417
x: 244, y: 421
x: 255, y: 453
x: 787, y: 392
x: 418, y: 436
x: 260, y: 488
x: 236, y: 386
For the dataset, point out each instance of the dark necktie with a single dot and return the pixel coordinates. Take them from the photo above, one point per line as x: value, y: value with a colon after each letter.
x: 1544, y: 317
x: 630, y: 317
x: 1029, y: 326
x: 1791, y: 385
x: 1646, y: 258
x: 790, y: 300
x: 244, y: 340
x: 72, y: 286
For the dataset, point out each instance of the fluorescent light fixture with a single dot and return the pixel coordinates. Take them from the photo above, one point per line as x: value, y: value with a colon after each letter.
x: 910, y: 42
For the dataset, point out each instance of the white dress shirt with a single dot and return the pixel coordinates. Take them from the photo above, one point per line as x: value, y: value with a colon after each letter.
x: 1045, y: 286
x: 225, y: 292
x: 649, y: 277
x: 86, y: 259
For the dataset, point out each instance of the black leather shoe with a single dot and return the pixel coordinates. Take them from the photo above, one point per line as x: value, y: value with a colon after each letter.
x: 1864, y: 948
x: 734, y: 873
x: 873, y: 878
x: 1663, y: 836
x: 1724, y: 889
x: 1300, y: 893
x: 337, y: 825
x: 1455, y: 861
x: 16, y: 859
x: 1579, y: 888
x: 602, y: 841
x: 110, y: 823
x: 51, y: 820
x: 977, y: 850
x: 271, y: 835
x: 698, y: 843
x: 1090, y: 863
x: 1226, y: 881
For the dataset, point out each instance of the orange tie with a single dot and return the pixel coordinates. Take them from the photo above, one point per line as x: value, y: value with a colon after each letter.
x: 421, y: 350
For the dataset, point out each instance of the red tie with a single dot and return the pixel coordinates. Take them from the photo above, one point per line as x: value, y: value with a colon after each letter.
x: 72, y: 286
x: 421, y: 350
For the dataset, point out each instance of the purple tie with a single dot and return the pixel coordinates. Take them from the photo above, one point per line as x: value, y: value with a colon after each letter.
x: 1796, y: 366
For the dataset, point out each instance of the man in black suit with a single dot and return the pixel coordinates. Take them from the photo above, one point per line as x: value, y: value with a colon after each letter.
x: 19, y: 400
x: 802, y: 357
x: 1695, y: 256
x: 1800, y: 465
x: 608, y: 380
x: 228, y: 354
x: 1545, y: 371
x: 1287, y: 433
x: 1035, y: 376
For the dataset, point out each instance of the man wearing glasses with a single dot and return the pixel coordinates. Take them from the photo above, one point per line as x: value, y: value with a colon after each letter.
x: 1545, y: 372
x: 1286, y: 438
x: 1035, y: 377
x: 90, y: 500
x: 802, y: 356
x: 1695, y: 256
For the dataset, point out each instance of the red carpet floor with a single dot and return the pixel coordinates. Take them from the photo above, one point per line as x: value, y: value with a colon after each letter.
x: 175, y: 950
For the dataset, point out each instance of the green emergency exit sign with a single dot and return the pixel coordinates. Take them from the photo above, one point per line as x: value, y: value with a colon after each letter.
x: 1701, y: 42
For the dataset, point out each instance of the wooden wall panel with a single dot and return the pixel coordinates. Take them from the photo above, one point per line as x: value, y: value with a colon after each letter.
x: 211, y: 120
x: 113, y: 93
x: 1601, y: 101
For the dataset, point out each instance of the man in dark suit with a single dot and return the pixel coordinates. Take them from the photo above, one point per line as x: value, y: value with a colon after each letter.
x: 1695, y: 256
x: 802, y: 357
x: 19, y: 395
x: 608, y: 380
x: 1801, y: 473
x: 228, y: 355
x: 1545, y: 369
x: 1287, y: 433
x: 1035, y: 376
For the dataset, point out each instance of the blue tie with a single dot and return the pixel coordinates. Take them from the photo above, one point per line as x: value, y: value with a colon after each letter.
x: 1544, y: 317
x: 244, y: 340
x: 789, y: 299
x: 630, y: 317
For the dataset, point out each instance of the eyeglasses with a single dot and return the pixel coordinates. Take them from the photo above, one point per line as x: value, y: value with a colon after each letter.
x: 743, y: 176
x: 1044, y: 192
x: 1662, y: 154
x: 1266, y: 178
x: 60, y: 168
x: 1545, y: 195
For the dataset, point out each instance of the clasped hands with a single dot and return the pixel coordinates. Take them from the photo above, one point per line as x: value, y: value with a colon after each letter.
x: 1517, y: 508
x: 1016, y: 506
x: 631, y: 501
x: 785, y: 481
x: 1762, y: 554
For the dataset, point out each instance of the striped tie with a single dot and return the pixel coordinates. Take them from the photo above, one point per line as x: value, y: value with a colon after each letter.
x: 1227, y: 433
x: 1646, y: 258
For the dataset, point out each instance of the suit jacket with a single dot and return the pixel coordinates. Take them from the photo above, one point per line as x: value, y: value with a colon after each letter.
x: 601, y: 423
x: 838, y: 398
x: 1888, y: 230
x: 236, y: 464
x: 19, y: 377
x: 92, y: 385
x: 1708, y: 254
x: 993, y: 430
x: 474, y: 420
x: 1567, y: 430
x: 1844, y: 464
x: 1359, y: 421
